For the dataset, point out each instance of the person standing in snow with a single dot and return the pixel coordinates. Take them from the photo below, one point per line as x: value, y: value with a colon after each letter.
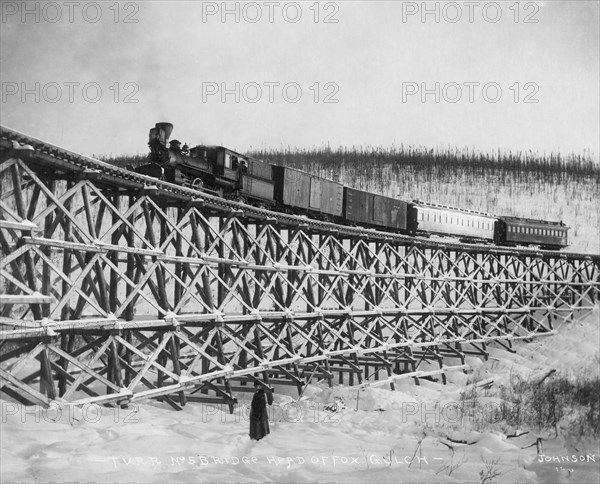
x: 259, y: 420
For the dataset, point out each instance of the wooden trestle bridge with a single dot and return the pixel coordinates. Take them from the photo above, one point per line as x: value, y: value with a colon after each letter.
x: 116, y: 287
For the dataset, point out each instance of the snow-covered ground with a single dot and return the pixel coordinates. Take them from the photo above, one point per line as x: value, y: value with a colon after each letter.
x: 330, y: 435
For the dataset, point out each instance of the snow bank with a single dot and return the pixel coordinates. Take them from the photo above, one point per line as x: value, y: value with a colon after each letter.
x: 340, y: 434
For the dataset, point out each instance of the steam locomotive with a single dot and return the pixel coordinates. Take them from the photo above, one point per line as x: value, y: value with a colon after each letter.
x: 236, y: 176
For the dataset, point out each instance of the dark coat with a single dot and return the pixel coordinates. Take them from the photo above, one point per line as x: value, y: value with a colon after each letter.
x: 259, y: 420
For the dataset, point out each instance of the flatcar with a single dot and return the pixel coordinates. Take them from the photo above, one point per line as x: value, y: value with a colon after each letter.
x: 237, y: 176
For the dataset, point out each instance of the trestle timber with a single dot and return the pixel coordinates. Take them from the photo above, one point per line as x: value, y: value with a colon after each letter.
x: 117, y: 288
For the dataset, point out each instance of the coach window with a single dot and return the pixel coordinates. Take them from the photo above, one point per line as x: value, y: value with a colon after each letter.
x: 227, y: 160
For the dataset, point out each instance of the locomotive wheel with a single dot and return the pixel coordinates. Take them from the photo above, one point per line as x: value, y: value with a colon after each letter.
x: 197, y: 184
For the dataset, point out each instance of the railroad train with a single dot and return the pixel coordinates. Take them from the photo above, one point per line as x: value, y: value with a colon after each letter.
x: 236, y: 176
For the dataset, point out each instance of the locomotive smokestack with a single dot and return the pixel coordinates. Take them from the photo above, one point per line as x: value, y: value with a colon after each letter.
x: 167, y: 128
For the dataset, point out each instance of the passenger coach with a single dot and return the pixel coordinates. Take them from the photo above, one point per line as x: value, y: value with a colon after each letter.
x: 463, y: 224
x: 521, y: 231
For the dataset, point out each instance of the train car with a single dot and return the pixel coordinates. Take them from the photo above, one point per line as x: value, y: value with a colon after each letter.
x: 302, y: 191
x: 521, y: 231
x: 376, y: 210
x: 326, y: 196
x: 464, y: 224
x: 257, y: 182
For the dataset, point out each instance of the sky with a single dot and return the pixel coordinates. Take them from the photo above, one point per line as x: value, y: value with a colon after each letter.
x: 94, y: 77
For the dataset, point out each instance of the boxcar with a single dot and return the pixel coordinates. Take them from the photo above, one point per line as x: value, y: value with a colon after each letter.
x: 326, y: 196
x: 519, y: 231
x: 464, y: 224
x: 300, y: 190
x: 292, y: 187
x: 370, y: 209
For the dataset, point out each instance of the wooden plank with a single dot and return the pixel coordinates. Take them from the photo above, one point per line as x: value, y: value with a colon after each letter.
x: 23, y: 226
x: 32, y: 395
x: 35, y: 298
